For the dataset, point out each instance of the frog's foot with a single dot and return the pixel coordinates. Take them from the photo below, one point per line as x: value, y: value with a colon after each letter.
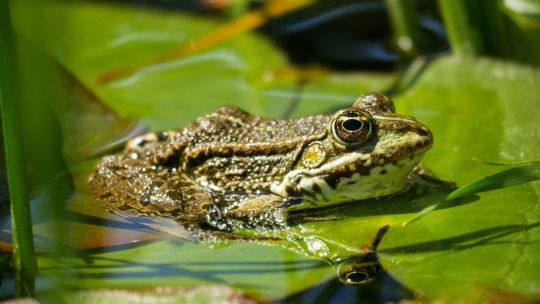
x: 421, y: 177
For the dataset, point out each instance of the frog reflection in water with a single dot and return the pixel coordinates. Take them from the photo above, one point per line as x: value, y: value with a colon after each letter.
x: 230, y: 165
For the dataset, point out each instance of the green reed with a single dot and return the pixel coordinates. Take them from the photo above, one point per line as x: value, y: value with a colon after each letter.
x: 24, y: 260
x: 475, y: 27
x: 406, y: 27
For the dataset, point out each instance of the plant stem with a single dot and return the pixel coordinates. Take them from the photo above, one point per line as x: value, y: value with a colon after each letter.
x: 476, y: 27
x: 464, y: 37
x: 24, y: 259
x: 492, y: 27
x: 404, y: 20
x: 238, y: 8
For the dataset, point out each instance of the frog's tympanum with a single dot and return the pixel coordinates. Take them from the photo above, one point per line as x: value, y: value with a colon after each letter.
x: 233, y: 165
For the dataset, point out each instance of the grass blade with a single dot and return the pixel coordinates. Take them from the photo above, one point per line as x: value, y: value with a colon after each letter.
x: 506, y: 178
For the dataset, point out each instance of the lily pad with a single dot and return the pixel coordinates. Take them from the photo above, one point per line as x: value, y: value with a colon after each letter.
x: 485, y: 248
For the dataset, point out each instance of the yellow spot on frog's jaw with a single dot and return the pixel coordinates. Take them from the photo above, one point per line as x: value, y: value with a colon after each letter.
x: 314, y: 155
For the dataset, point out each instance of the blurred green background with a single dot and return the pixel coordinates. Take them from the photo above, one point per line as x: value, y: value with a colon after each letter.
x: 80, y: 77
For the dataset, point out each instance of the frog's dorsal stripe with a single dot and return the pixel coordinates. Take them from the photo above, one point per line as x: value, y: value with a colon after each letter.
x: 208, y: 150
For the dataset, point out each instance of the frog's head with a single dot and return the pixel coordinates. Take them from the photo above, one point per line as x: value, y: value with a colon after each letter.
x: 368, y: 152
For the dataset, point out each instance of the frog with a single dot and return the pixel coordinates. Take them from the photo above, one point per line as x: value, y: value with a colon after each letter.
x: 231, y: 165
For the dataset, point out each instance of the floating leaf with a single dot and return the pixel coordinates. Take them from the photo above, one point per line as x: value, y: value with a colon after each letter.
x: 478, y: 247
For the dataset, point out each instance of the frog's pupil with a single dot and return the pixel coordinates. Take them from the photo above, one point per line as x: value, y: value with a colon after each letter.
x: 352, y: 125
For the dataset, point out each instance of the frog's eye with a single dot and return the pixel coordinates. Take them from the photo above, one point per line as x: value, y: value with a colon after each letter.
x: 351, y: 127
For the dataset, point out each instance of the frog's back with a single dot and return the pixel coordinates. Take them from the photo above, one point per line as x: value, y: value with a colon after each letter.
x: 231, y: 125
x: 231, y: 149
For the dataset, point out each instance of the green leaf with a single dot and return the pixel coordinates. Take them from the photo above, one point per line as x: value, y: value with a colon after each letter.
x: 481, y: 247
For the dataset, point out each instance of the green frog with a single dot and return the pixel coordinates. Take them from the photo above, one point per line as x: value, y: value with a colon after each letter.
x: 231, y: 165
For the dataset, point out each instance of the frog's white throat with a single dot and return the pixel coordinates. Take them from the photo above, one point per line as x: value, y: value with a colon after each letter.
x: 381, y: 180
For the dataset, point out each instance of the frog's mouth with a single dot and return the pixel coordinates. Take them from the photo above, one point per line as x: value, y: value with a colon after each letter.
x: 327, y: 188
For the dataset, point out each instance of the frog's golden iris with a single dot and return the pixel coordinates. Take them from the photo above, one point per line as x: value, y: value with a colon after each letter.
x: 351, y: 127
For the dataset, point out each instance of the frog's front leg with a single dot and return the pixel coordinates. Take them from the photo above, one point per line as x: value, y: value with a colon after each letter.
x: 423, y: 177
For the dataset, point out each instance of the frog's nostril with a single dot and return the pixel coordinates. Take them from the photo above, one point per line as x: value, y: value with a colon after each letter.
x: 423, y: 131
x: 139, y: 142
x: 142, y: 142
